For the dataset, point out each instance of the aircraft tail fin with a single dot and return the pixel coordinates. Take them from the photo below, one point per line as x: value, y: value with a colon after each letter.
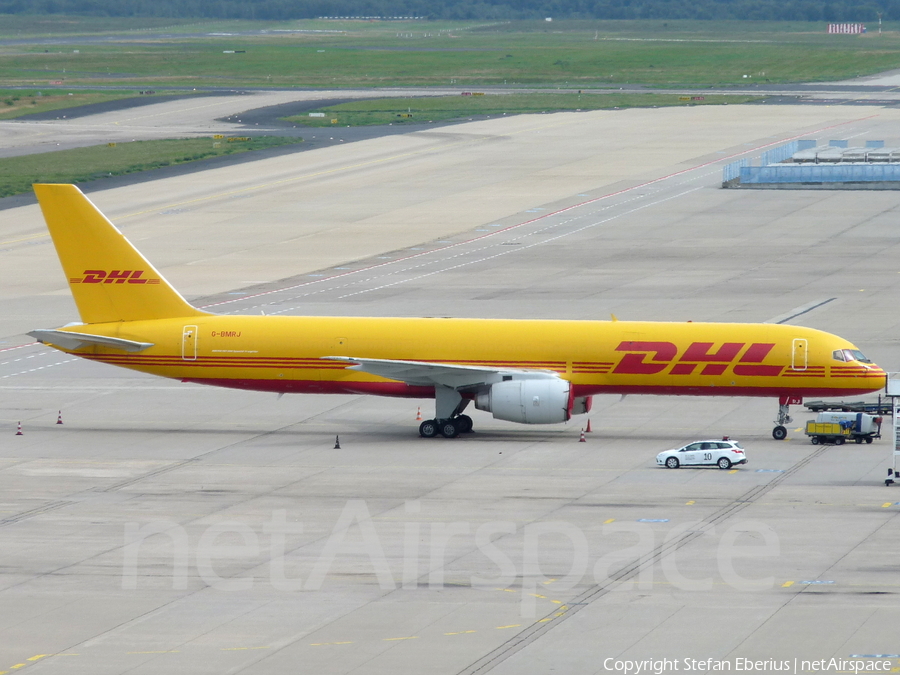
x: 109, y: 279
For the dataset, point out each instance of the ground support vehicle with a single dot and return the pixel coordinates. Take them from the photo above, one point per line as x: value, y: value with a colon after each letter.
x: 841, y: 427
x: 881, y: 407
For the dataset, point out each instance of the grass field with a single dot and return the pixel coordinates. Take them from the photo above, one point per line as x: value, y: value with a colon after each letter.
x: 439, y: 108
x: 576, y: 54
x: 85, y: 164
x: 24, y: 26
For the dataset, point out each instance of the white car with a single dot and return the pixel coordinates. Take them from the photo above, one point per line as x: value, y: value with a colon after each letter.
x: 724, y: 454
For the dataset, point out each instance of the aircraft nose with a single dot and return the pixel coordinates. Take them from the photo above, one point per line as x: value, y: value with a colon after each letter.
x: 876, y: 372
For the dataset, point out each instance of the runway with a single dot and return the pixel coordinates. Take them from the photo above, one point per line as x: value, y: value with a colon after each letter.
x: 166, y: 526
x: 217, y: 112
x: 222, y: 111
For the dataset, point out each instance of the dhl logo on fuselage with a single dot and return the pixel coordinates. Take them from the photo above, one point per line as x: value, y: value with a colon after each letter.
x: 649, y: 358
x: 112, y: 277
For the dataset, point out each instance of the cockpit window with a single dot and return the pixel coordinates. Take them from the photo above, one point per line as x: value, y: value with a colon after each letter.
x: 849, y: 355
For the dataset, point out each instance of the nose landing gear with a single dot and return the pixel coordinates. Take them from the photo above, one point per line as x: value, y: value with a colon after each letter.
x: 779, y: 433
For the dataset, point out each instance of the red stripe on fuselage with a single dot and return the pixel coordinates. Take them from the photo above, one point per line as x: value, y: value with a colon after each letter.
x: 399, y: 389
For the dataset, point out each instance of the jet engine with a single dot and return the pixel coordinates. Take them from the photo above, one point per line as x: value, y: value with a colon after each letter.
x: 531, y: 401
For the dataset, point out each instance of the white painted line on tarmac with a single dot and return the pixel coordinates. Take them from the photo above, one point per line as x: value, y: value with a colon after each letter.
x: 32, y: 370
x: 9, y: 349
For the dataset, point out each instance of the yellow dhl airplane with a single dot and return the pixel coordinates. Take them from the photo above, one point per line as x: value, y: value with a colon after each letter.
x: 529, y: 371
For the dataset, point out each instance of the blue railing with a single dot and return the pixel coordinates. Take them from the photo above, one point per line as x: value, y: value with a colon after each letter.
x: 733, y: 170
x: 818, y: 173
x: 779, y: 154
x: 772, y: 170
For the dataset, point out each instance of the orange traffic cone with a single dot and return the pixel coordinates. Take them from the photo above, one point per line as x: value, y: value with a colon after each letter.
x: 419, y: 414
x: 59, y: 418
x: 588, y: 430
x: 582, y: 439
x: 19, y: 430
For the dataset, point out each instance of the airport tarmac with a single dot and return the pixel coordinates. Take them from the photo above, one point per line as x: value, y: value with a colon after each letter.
x: 512, y: 550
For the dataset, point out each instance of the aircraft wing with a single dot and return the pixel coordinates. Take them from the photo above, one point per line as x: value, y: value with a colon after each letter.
x: 69, y: 340
x: 424, y: 373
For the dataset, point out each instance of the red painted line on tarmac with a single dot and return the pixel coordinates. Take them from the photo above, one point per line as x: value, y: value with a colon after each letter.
x: 541, y: 217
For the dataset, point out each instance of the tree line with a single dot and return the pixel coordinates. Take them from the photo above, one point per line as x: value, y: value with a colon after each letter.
x: 759, y: 10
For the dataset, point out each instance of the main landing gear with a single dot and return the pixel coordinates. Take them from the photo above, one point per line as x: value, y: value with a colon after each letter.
x: 779, y: 433
x: 448, y: 421
x: 451, y: 428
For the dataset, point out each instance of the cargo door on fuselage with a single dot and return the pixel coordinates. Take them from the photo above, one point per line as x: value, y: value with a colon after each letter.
x: 189, y: 343
x: 800, y: 354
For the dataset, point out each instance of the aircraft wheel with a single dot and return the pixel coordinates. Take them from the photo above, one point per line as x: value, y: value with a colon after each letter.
x: 428, y: 429
x: 779, y: 433
x: 464, y: 424
x: 449, y: 429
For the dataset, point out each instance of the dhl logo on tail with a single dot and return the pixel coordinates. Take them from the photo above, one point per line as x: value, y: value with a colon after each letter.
x: 113, y: 276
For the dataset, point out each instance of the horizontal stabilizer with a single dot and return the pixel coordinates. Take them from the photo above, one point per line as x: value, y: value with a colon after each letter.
x: 424, y: 373
x: 69, y: 340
